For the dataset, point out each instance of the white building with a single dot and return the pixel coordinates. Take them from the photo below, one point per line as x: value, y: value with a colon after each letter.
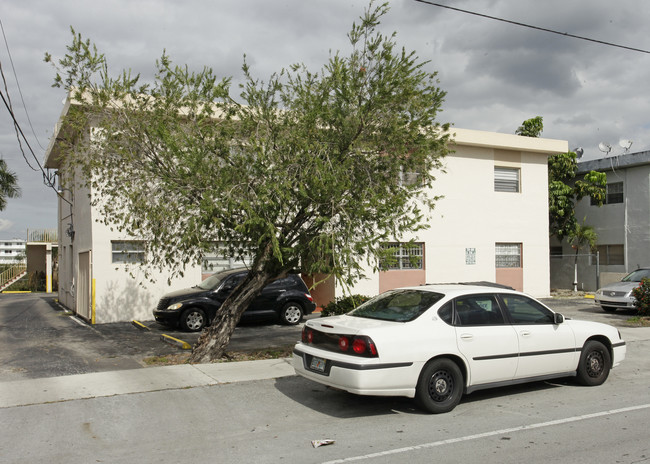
x: 491, y: 225
x: 11, y: 250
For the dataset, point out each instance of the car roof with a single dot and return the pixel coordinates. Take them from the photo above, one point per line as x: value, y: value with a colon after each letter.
x: 462, y: 288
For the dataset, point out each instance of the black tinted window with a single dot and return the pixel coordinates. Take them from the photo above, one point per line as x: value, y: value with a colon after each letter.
x: 478, y: 310
x: 525, y: 310
x: 446, y: 313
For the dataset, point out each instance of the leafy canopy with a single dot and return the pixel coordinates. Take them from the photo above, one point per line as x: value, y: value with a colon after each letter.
x: 8, y: 184
x: 564, y: 190
x: 302, y: 170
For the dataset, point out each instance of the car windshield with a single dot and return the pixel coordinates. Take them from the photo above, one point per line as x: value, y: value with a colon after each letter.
x: 397, y: 305
x: 637, y: 275
x: 212, y: 282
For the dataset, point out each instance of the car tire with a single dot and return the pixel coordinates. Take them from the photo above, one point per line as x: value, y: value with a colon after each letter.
x: 193, y: 319
x: 440, y: 386
x: 291, y: 313
x: 609, y: 309
x: 595, y: 364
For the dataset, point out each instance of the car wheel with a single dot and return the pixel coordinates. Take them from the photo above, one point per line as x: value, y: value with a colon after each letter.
x: 440, y: 386
x: 193, y: 319
x: 595, y: 363
x: 609, y: 309
x: 291, y: 313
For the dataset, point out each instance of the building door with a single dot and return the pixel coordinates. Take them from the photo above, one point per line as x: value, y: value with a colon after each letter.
x: 84, y: 287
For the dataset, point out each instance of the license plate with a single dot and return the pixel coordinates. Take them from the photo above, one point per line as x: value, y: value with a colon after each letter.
x: 317, y: 364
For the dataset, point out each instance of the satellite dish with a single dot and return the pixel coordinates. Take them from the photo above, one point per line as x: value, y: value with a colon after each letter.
x: 579, y: 152
x: 605, y: 147
x: 625, y: 144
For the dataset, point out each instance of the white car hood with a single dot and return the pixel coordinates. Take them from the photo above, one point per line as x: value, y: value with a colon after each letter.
x: 619, y: 287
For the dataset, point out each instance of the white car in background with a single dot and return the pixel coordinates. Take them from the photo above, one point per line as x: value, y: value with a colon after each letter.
x: 619, y: 294
x: 435, y: 343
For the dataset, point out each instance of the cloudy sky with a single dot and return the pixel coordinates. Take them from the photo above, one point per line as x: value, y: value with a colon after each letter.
x: 495, y: 74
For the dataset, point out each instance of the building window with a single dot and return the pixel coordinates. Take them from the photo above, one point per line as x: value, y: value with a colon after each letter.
x: 613, y: 194
x: 611, y: 255
x: 127, y: 251
x: 508, y: 255
x: 399, y: 256
x: 506, y: 179
x: 556, y: 252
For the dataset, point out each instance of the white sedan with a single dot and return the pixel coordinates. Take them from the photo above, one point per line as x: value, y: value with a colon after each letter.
x: 436, y: 342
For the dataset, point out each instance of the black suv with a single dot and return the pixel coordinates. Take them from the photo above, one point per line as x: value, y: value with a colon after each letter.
x: 193, y: 308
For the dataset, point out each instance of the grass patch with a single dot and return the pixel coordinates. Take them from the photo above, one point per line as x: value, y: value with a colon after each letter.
x: 639, y: 321
x: 229, y: 356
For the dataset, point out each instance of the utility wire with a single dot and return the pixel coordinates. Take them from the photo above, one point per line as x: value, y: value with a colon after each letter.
x: 17, y: 128
x: 19, y: 132
x: 18, y: 85
x: 566, y: 34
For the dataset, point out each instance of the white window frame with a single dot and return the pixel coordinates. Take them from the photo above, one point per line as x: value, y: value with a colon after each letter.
x: 507, y: 179
x: 408, y: 256
x: 508, y: 255
x: 127, y: 251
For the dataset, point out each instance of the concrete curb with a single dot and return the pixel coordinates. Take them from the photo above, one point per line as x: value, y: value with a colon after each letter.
x: 103, y: 384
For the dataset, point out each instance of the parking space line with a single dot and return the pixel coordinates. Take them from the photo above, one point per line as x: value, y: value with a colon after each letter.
x: 489, y: 434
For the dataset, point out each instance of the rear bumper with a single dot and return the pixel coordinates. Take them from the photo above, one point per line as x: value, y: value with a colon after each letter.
x: 361, y: 378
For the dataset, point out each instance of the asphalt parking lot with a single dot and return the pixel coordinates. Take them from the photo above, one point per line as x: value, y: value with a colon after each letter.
x: 39, y: 338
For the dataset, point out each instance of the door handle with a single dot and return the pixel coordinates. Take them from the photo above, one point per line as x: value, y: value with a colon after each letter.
x: 525, y: 333
x: 466, y: 336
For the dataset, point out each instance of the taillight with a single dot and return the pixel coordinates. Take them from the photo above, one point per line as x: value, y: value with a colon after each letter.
x: 344, y: 343
x: 362, y: 346
x: 307, y: 335
x: 309, y: 297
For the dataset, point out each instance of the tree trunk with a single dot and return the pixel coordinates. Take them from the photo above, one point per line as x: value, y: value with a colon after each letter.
x: 214, y: 340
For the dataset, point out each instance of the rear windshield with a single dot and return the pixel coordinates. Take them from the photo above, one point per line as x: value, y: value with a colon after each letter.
x: 212, y: 282
x: 397, y: 305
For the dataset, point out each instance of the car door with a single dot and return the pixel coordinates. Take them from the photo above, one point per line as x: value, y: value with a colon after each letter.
x: 488, y: 343
x: 544, y: 347
x: 266, y: 301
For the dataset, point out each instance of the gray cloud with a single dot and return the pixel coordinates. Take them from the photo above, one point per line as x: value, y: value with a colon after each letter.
x: 495, y: 74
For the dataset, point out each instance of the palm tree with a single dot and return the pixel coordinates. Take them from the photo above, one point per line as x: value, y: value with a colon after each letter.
x: 580, y: 236
x: 8, y: 184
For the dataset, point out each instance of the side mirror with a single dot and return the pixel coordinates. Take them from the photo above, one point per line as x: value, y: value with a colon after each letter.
x: 558, y: 318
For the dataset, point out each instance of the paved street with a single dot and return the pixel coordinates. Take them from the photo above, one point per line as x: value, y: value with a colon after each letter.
x: 275, y: 419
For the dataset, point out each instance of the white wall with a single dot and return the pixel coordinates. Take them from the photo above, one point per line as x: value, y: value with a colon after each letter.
x: 120, y: 296
x: 472, y: 215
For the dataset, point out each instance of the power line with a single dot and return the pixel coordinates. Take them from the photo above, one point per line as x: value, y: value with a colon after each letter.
x: 543, y: 29
x: 19, y: 132
x: 20, y: 92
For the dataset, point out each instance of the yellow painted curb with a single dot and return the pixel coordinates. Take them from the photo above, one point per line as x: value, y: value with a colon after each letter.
x: 589, y: 296
x: 175, y: 341
x: 16, y: 291
x: 139, y: 325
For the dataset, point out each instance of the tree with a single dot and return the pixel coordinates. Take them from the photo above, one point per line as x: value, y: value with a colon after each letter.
x: 580, y: 236
x: 563, y: 188
x: 308, y: 171
x: 532, y: 127
x: 8, y: 184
